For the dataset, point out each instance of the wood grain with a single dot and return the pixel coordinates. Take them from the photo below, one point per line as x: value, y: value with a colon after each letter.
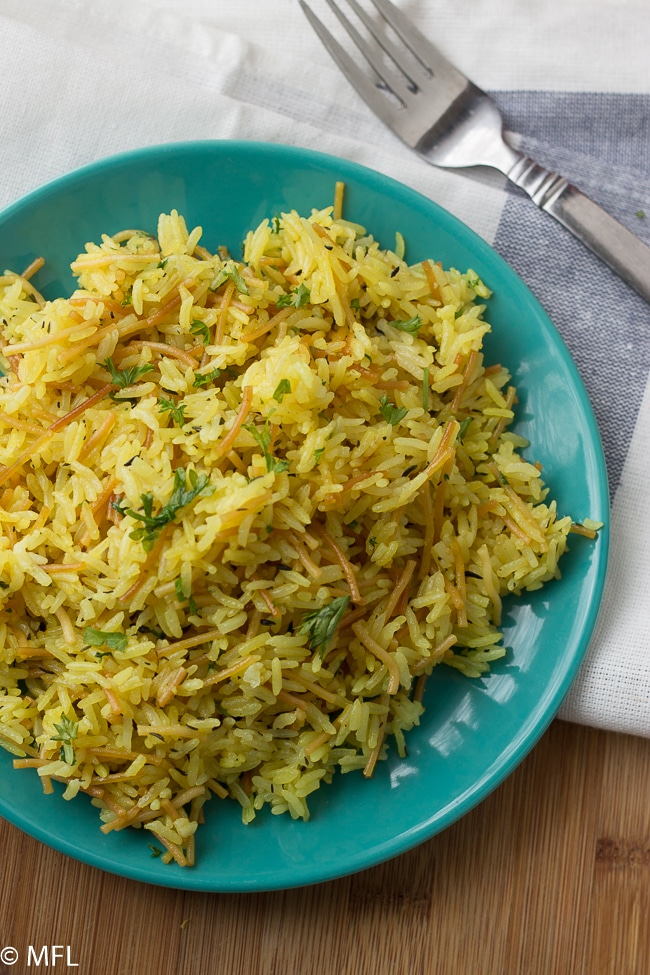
x: 550, y: 875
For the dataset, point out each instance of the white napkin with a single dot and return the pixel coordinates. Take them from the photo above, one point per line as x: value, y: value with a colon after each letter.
x: 82, y: 81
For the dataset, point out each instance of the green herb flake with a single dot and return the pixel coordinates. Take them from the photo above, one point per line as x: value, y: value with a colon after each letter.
x: 640, y: 214
x: 122, y: 378
x: 200, y: 328
x: 263, y: 438
x: 463, y: 428
x: 321, y: 625
x: 230, y: 272
x: 185, y: 596
x: 410, y: 325
x: 474, y: 282
x: 105, y: 638
x: 318, y: 453
x: 154, y: 631
x: 203, y: 378
x: 355, y: 303
x: 67, y: 732
x: 296, y: 298
x: 182, y: 495
x: 391, y: 413
x: 176, y: 411
x: 155, y: 850
x: 281, y: 390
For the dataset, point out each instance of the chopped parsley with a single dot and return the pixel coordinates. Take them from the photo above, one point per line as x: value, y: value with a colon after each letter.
x: 200, y: 328
x: 184, y: 595
x: 321, y: 624
x: 296, y: 298
x: 182, y: 495
x: 475, y: 282
x: 67, y: 732
x: 230, y: 272
x: 263, y: 438
x: 155, y: 632
x: 176, y: 410
x: 203, y: 378
x: 410, y: 325
x: 391, y: 413
x: 283, y: 387
x: 463, y: 428
x: 105, y: 638
x: 122, y: 378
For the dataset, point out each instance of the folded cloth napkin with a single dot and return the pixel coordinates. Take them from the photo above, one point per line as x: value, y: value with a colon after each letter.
x: 82, y: 81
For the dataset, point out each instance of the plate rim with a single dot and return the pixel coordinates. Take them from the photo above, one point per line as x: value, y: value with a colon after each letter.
x: 549, y: 703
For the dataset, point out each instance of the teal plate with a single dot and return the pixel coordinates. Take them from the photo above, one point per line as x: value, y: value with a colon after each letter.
x: 474, y: 732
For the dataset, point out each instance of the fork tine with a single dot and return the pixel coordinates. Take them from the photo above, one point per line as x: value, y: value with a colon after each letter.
x: 357, y: 78
x: 395, y: 55
x: 388, y: 82
x: 420, y: 46
x: 356, y: 37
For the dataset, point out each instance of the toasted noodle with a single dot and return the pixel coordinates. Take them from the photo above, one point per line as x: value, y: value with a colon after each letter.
x: 245, y: 508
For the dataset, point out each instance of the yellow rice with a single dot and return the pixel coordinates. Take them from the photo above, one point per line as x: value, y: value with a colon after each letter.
x: 341, y: 444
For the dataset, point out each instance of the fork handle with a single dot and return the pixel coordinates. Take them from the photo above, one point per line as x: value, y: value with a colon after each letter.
x: 628, y: 256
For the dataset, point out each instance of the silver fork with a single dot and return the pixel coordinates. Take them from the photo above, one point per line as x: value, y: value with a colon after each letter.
x: 451, y: 123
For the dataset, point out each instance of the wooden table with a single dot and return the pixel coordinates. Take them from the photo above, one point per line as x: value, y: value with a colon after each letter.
x: 549, y: 876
